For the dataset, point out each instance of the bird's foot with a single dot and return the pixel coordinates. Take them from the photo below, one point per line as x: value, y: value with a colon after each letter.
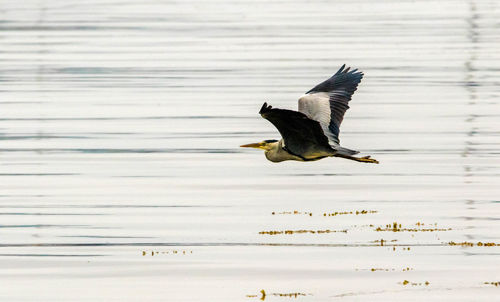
x: 367, y: 159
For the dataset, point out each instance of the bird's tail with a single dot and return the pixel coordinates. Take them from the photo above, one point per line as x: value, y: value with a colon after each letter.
x: 345, y: 151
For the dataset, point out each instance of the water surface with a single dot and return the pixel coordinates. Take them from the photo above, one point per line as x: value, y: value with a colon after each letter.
x: 121, y: 177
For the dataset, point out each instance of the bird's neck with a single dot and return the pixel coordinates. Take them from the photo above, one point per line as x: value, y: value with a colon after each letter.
x: 277, y: 153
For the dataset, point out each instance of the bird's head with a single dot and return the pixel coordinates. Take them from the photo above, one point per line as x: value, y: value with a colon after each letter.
x: 264, y: 145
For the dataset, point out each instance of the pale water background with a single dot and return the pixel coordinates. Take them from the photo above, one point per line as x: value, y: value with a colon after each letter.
x: 120, y: 123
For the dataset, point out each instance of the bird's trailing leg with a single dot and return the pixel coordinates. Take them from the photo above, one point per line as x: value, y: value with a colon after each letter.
x: 364, y: 159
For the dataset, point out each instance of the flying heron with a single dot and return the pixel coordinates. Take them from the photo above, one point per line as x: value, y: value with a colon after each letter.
x: 312, y: 133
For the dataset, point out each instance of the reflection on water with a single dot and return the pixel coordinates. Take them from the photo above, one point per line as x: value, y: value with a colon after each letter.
x: 119, y: 131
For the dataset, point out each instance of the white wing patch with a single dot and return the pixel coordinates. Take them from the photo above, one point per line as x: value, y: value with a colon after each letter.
x: 316, y: 106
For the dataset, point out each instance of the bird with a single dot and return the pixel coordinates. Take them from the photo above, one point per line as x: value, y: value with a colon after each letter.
x: 312, y: 132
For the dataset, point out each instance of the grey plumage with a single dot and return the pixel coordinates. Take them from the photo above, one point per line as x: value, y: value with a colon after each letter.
x: 340, y: 88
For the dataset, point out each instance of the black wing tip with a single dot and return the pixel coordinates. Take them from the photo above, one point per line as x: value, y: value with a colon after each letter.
x: 351, y: 72
x: 265, y: 108
x: 341, y: 69
x: 344, y: 76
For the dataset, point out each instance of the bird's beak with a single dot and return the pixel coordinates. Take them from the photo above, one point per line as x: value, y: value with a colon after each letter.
x: 255, y: 145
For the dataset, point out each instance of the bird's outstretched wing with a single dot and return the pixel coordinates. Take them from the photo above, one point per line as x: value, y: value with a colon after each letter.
x: 300, y: 133
x: 328, y: 101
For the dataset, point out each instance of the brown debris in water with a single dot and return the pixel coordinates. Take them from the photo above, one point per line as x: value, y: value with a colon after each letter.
x: 362, y: 212
x: 378, y: 241
x: 290, y: 232
x: 295, y: 212
x: 471, y: 244
x: 184, y: 252
x: 376, y: 269
x: 395, y: 227
x: 292, y: 213
x: 289, y: 295
x: 493, y: 283
x: 406, y: 282
x: 380, y: 269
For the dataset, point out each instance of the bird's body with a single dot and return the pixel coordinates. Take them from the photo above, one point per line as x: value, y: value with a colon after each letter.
x: 278, y: 153
x: 312, y: 133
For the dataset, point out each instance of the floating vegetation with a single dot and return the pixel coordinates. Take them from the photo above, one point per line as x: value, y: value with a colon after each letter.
x: 262, y: 297
x: 382, y: 241
x: 385, y: 269
x: 289, y: 295
x: 170, y: 252
x: 290, y: 232
x: 406, y: 282
x: 292, y: 213
x: 362, y: 212
x: 395, y: 227
x: 493, y: 283
x: 471, y: 244
x: 364, y: 226
x: 381, y: 269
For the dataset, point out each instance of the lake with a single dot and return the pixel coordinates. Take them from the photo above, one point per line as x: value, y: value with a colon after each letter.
x: 121, y: 176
